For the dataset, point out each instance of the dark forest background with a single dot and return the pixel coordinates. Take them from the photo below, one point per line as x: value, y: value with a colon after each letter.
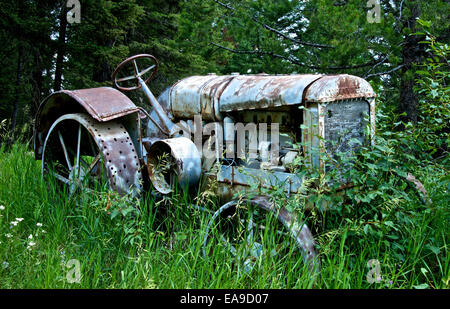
x: 404, y: 56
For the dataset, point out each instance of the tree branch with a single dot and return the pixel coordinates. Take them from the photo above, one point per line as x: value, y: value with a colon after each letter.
x: 260, y: 52
x: 296, y: 62
x: 377, y: 64
x: 278, y: 32
x: 385, y: 73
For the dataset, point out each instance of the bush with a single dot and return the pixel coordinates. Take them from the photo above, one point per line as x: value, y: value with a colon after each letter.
x: 432, y: 130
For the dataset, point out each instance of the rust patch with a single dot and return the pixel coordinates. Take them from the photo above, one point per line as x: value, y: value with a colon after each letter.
x: 347, y: 86
x: 338, y: 87
x: 102, y: 104
x: 247, y: 84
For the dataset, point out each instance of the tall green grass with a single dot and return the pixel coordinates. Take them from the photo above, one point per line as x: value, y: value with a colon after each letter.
x: 160, y: 244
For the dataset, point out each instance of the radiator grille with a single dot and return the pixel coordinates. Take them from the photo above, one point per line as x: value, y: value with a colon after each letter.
x: 344, y: 121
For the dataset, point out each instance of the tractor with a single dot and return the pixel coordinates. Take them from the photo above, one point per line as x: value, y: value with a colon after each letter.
x: 238, y: 131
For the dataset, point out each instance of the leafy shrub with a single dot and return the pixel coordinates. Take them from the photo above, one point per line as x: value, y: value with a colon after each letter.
x: 432, y: 130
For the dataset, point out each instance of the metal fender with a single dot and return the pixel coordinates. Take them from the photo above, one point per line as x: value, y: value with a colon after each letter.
x: 103, y: 104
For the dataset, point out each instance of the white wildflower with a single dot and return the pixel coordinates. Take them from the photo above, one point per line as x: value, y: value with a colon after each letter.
x: 30, y: 236
x: 19, y: 219
x: 8, y: 235
x: 2, y: 207
x: 39, y: 224
x: 14, y: 223
x: 5, y: 265
x: 63, y: 256
x: 30, y: 244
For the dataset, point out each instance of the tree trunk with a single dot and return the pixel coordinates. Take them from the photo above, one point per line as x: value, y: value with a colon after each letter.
x: 410, y: 53
x: 37, y: 80
x: 17, y: 90
x: 61, y: 49
x: 102, y: 72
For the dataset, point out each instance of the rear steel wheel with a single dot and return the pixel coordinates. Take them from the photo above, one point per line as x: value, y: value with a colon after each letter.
x: 81, y: 153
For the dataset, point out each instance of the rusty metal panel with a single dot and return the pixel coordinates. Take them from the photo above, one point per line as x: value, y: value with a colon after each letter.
x: 372, y: 120
x: 330, y: 127
x: 103, y: 104
x: 338, y: 87
x: 251, y: 177
x: 119, y: 153
x: 343, y: 121
x: 210, y: 95
x: 310, y: 134
x: 263, y: 91
x: 198, y: 95
x: 185, y: 96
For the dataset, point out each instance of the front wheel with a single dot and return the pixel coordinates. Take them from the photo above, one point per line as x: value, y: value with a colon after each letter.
x: 256, y: 229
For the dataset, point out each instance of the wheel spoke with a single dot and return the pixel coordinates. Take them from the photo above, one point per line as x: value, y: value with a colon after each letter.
x: 136, y: 72
x: 250, y: 228
x: 123, y: 79
x: 66, y: 155
x: 146, y: 70
x: 81, y: 158
x: 59, y: 177
x: 88, y: 168
x: 96, y: 159
x: 84, y: 162
x: 92, y: 144
x: 78, y: 165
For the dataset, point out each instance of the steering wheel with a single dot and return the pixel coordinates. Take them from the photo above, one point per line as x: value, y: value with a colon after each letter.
x: 137, y: 74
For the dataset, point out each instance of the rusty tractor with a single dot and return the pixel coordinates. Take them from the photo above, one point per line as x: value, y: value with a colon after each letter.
x: 238, y: 131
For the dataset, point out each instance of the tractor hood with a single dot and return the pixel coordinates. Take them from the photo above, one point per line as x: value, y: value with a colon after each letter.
x: 212, y: 95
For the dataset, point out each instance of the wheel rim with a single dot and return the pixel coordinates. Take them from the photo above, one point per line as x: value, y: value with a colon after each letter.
x: 278, y: 234
x: 81, y: 153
